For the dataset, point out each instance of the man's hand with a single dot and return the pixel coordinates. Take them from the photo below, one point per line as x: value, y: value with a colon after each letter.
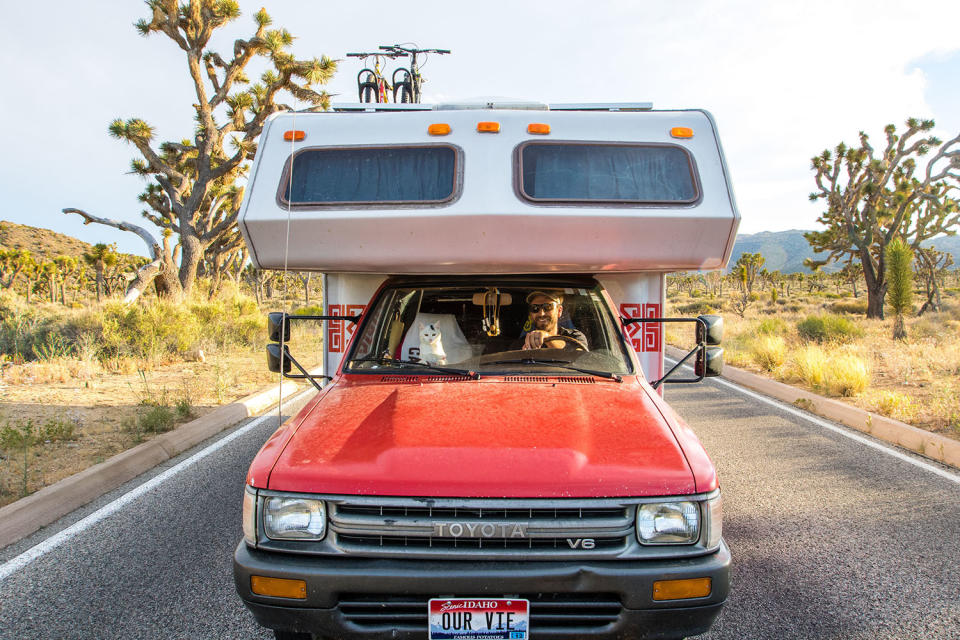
x: 538, y: 339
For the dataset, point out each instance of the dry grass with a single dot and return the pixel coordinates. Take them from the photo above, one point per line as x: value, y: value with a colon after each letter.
x: 809, y: 341
x: 112, y: 394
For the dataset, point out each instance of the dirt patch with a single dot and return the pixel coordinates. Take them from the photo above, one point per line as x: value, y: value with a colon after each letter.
x: 84, y: 413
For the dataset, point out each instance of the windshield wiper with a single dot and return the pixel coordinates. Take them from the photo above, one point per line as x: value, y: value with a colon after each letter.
x: 426, y: 365
x: 561, y: 363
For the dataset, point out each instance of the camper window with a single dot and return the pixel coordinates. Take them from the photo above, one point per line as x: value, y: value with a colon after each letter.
x: 572, y: 172
x: 369, y: 175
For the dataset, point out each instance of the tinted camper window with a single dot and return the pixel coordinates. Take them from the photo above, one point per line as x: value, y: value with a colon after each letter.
x: 370, y: 175
x: 619, y: 173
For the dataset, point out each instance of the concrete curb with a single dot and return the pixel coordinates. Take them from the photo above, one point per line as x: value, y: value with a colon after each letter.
x: 930, y: 445
x: 27, y: 515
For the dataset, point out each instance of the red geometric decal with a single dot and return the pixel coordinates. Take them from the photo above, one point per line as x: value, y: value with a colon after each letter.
x: 339, y: 335
x: 652, y: 331
x: 644, y: 337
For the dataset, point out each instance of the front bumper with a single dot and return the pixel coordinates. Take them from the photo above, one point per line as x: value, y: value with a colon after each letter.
x: 334, y: 583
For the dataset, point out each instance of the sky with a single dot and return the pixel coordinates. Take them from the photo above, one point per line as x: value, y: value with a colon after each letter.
x: 783, y: 80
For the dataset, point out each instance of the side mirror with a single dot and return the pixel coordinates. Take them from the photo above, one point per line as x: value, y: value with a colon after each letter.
x: 709, y: 362
x: 276, y: 358
x: 713, y: 334
x: 277, y: 324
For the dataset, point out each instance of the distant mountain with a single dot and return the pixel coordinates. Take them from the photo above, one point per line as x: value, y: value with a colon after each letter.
x: 785, y: 251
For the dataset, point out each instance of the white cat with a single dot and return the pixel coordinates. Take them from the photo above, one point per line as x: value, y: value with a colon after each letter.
x: 431, y: 347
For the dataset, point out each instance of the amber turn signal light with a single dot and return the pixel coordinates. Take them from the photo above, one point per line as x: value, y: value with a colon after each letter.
x: 538, y: 128
x: 438, y: 129
x: 682, y: 589
x: 278, y: 587
x: 294, y: 135
x: 488, y: 127
x: 681, y: 132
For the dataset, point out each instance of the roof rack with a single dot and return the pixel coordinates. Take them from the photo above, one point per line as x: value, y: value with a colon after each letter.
x: 379, y: 106
x: 370, y: 107
x: 602, y: 106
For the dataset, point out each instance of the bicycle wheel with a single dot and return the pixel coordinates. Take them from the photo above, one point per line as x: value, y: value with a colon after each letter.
x: 405, y: 95
x: 368, y: 89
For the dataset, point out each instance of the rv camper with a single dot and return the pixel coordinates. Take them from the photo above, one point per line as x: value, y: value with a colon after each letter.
x: 489, y: 454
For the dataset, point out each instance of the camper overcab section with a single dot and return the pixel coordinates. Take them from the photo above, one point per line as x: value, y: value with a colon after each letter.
x: 489, y: 454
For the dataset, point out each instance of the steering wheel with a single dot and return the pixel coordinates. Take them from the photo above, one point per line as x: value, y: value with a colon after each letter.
x: 572, y: 342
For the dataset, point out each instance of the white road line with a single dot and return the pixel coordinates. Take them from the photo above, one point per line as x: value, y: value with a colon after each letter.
x: 844, y: 431
x: 59, y: 538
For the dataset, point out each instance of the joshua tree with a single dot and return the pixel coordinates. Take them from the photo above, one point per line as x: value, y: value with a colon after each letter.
x: 101, y: 256
x: 750, y: 264
x: 194, y: 195
x: 68, y: 266
x: 871, y: 199
x: 900, y: 284
x: 931, y: 266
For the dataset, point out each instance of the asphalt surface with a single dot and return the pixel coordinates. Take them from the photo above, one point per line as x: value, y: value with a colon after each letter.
x: 830, y: 539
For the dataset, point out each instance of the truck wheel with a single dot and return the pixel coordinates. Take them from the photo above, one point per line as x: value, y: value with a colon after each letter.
x: 291, y: 635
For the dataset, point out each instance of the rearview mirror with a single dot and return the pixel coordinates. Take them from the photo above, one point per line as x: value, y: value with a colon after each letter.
x: 276, y: 358
x: 714, y: 362
x: 278, y: 323
x: 711, y: 331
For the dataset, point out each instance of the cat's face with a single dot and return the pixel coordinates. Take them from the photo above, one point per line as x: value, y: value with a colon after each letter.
x: 429, y: 333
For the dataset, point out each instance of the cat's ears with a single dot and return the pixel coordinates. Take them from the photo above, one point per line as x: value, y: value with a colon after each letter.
x: 420, y: 325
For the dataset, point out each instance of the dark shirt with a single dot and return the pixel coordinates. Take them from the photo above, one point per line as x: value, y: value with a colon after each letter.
x: 563, y: 331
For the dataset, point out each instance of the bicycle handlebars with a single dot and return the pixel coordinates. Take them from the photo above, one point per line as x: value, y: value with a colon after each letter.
x: 378, y: 53
x: 396, y: 47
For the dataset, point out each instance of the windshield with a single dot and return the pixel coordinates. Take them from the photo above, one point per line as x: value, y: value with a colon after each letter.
x: 491, y: 329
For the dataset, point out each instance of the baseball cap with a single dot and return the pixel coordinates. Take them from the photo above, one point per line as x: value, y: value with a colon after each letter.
x: 556, y: 297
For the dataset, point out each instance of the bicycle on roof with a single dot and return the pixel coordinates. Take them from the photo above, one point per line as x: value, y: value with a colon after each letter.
x: 372, y: 86
x: 408, y: 88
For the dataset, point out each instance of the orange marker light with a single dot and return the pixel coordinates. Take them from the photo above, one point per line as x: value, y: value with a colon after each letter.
x: 681, y: 132
x: 488, y: 127
x: 294, y: 135
x: 682, y: 589
x: 278, y: 587
x: 538, y: 128
x: 438, y: 129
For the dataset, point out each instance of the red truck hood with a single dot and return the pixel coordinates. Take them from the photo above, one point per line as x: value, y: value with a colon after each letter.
x: 486, y: 438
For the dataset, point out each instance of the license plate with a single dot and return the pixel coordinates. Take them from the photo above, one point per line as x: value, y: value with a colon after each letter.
x: 479, y: 619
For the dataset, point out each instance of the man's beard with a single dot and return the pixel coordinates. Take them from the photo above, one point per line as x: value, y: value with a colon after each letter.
x: 543, y: 323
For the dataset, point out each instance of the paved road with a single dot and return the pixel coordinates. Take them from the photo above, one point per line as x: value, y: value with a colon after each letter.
x: 831, y: 539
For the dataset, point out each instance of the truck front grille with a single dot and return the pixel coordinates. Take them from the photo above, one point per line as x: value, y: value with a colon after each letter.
x: 549, y: 612
x: 483, y: 528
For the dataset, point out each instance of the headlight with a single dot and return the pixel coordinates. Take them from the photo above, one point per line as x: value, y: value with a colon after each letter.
x: 250, y: 516
x: 668, y: 523
x: 290, y: 518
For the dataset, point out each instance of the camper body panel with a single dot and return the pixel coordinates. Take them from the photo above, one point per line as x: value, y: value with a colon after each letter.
x: 488, y: 225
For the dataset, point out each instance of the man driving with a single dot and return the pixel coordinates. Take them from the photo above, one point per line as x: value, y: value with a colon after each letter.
x: 543, y: 323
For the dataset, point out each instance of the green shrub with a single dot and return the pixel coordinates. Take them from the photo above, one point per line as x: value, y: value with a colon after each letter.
x: 696, y: 308
x: 828, y: 328
x: 58, y: 430
x: 156, y: 418
x: 772, y: 326
x: 852, y: 307
x: 23, y: 435
x: 312, y: 310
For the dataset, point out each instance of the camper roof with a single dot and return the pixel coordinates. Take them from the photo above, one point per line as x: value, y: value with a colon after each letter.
x: 506, y: 188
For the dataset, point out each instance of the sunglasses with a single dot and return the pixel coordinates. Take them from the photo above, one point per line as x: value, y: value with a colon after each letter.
x: 546, y: 306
